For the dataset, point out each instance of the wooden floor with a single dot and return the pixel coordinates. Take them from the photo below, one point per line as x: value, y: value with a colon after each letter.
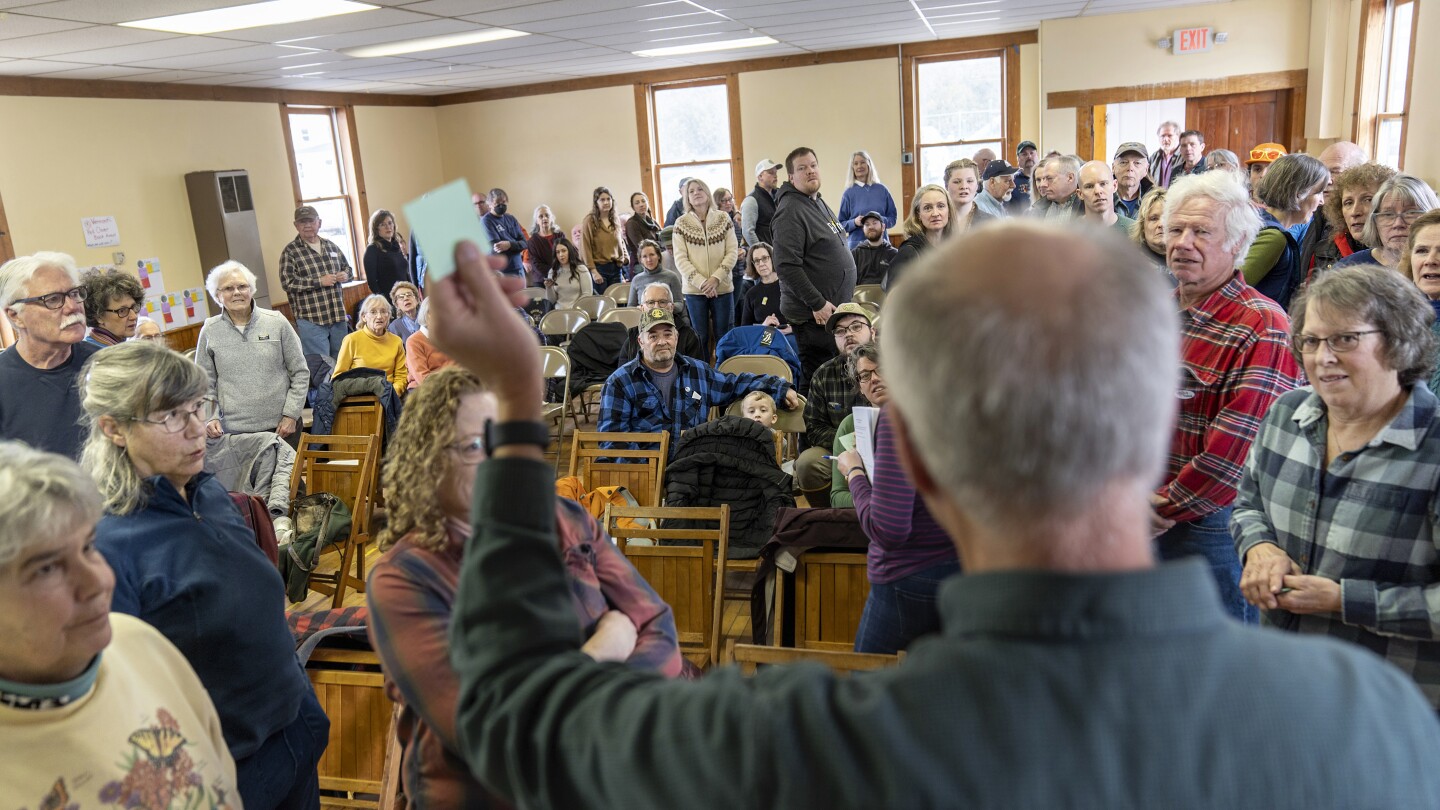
x: 734, y: 625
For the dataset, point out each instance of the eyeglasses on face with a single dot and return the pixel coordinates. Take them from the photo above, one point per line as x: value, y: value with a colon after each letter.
x: 56, y: 300
x: 470, y: 449
x: 124, y: 312
x: 868, y: 376
x: 661, y: 304
x: 235, y: 288
x: 1340, y: 342
x: 855, y: 328
x: 1387, y: 217
x: 174, y: 421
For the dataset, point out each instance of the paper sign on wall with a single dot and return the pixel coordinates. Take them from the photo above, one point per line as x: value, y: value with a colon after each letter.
x: 193, y: 300
x: 150, y: 279
x: 100, y: 231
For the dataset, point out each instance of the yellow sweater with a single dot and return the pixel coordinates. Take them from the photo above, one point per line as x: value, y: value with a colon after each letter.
x: 361, y: 349
x: 146, y: 730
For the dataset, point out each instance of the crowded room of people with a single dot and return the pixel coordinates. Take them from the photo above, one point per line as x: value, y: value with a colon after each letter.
x: 450, y: 404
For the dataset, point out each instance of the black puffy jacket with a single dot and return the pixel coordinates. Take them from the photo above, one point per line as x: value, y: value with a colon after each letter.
x: 731, y: 460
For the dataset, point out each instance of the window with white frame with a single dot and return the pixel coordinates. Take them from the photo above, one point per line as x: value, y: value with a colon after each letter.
x: 960, y: 107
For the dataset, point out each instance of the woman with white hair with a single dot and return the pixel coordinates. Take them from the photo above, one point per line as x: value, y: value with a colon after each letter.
x: 864, y: 193
x: 253, y: 357
x: 186, y: 563
x: 1400, y: 201
x: 374, y: 346
x: 95, y: 708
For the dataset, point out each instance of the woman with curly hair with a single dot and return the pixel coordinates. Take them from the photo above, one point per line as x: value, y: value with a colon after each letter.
x: 412, y: 587
x: 1347, y: 209
x: 112, y: 306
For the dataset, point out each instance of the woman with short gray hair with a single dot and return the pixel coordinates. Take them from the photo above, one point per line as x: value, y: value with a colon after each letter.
x: 1335, y: 516
x: 113, y: 302
x: 1399, y: 202
x: 82, y: 690
x: 253, y: 357
x: 1289, y: 194
x: 374, y: 346
x: 186, y: 563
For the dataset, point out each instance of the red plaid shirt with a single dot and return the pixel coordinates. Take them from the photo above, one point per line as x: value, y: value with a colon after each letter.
x: 1237, y: 361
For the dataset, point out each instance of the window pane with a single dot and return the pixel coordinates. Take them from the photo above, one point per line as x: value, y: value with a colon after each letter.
x: 313, y: 136
x: 934, y: 159
x: 335, y: 226
x: 960, y: 100
x: 692, y: 124
x: 715, y: 175
x: 1399, y: 52
x: 1387, y: 141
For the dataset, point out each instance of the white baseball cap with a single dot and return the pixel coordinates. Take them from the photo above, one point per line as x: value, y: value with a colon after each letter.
x: 765, y: 166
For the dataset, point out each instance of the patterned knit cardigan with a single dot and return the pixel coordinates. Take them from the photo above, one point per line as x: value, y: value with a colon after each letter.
x: 705, y: 252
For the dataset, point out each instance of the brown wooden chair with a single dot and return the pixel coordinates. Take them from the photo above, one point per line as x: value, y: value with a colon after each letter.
x: 351, y: 690
x: 684, y: 576
x: 749, y: 656
x: 830, y: 593
x: 360, y: 415
x: 348, y: 468
x: 643, y: 476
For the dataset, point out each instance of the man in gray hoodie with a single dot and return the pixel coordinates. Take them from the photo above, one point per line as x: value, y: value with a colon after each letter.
x: 817, y: 272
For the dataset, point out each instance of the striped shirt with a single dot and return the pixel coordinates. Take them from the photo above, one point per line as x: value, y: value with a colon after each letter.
x: 1237, y: 360
x: 1368, y: 522
x: 412, y: 597
x: 904, y: 538
x: 301, y: 267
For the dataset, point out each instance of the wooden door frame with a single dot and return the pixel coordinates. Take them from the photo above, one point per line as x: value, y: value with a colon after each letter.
x: 7, y: 252
x: 1085, y: 101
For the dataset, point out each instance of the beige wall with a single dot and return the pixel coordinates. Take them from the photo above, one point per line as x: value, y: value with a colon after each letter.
x: 399, y: 154
x: 552, y: 149
x: 62, y: 159
x: 1421, y: 156
x: 823, y: 107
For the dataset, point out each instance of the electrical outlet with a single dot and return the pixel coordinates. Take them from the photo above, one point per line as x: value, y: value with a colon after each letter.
x: 119, y: 257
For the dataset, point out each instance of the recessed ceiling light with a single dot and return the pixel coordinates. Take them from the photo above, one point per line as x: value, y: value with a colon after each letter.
x: 706, y: 47
x: 254, y: 15
x: 433, y: 43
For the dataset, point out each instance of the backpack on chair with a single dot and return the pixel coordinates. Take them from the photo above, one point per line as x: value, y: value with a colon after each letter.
x: 321, y: 520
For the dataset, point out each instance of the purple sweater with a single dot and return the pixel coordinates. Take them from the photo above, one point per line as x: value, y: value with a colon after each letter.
x: 904, y: 538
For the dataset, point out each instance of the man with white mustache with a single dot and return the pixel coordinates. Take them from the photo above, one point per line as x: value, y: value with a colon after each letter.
x: 45, y: 302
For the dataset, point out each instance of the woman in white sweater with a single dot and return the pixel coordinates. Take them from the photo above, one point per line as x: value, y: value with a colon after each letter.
x: 568, y: 279
x: 705, y: 250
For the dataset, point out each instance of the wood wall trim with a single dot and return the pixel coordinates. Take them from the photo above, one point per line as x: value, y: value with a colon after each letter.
x: 1085, y: 133
x: 1012, y: 101
x: 1409, y: 80
x: 157, y: 91
x: 290, y: 153
x: 1367, y: 66
x: 350, y: 150
x: 909, y: 133
x: 738, y: 188
x: 645, y: 138
x: 1223, y: 86
x: 943, y: 46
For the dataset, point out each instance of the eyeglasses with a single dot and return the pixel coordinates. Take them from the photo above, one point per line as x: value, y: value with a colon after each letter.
x: 235, y: 288
x: 866, y: 377
x: 471, y: 449
x: 661, y: 304
x: 124, y: 312
x: 1387, y: 217
x: 56, y: 300
x: 854, y: 328
x: 1339, y: 343
x: 175, y: 421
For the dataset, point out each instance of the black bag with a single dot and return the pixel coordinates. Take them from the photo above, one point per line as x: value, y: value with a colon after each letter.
x: 321, y: 520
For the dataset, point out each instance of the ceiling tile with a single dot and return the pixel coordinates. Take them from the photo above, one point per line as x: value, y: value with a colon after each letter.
x: 13, y: 26
x: 79, y: 39
x: 228, y: 56
x: 398, y: 33
x: 94, y: 72
x: 297, y: 33
x: 118, y: 11
x: 33, y: 67
x: 175, y: 46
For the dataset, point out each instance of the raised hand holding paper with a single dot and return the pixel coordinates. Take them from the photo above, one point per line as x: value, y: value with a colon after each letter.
x: 444, y: 218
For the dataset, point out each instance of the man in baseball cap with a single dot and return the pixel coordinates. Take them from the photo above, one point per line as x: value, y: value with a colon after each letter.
x: 312, y: 268
x: 997, y: 187
x: 1131, y: 166
x: 759, y: 206
x: 1026, y: 157
x: 833, y: 394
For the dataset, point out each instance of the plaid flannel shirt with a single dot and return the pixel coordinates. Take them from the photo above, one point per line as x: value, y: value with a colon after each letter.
x: 411, y: 599
x: 1237, y: 360
x: 1368, y: 522
x: 300, y: 270
x: 631, y: 403
x: 833, y: 394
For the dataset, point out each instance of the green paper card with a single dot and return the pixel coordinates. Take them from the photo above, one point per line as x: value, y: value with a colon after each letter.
x: 441, y: 220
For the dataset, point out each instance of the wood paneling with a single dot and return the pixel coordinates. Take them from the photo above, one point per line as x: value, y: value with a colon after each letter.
x: 1249, y: 83
x: 830, y: 594
x: 1012, y: 103
x: 1239, y: 122
x: 645, y: 138
x: 1085, y: 132
x: 351, y: 689
x: 78, y: 88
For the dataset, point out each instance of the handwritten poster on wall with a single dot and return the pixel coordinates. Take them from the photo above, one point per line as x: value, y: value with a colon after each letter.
x: 100, y: 231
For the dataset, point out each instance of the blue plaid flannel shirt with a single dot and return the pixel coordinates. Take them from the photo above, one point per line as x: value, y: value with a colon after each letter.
x: 631, y: 401
x: 1368, y: 522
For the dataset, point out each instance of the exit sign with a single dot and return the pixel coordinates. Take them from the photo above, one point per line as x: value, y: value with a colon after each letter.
x: 1191, y: 40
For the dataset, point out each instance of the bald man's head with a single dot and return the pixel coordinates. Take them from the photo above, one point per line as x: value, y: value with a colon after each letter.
x: 1097, y: 188
x: 1069, y: 347
x: 1340, y: 156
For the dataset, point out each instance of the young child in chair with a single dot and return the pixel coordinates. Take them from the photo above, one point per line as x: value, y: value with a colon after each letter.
x: 760, y: 407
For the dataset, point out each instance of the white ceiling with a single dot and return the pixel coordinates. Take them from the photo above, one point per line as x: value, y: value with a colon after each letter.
x: 79, y: 39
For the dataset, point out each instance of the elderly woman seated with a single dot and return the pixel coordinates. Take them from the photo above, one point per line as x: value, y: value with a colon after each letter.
x: 1335, y: 518
x: 113, y: 301
x: 96, y: 709
x: 413, y: 585
x: 253, y: 357
x: 186, y: 563
x: 373, y: 346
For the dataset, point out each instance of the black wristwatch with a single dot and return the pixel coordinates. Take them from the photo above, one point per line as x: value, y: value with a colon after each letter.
x: 499, y: 434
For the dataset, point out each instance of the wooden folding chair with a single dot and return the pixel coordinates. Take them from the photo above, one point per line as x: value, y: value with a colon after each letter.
x: 348, y: 468
x: 643, y: 474
x: 684, y: 576
x: 360, y: 415
x: 750, y: 656
x: 830, y: 593
x: 351, y: 690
